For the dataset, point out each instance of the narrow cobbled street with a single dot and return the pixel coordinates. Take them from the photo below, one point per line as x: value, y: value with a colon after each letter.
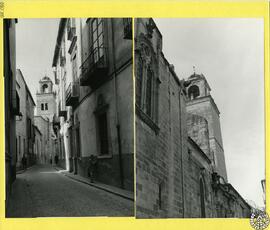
x: 42, y: 191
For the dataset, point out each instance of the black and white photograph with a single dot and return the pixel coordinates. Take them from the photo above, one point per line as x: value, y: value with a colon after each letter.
x: 69, y: 117
x: 199, y: 117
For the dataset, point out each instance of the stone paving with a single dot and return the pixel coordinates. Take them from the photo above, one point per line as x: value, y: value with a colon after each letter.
x: 42, y: 191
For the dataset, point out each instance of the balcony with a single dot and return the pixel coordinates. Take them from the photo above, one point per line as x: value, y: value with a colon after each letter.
x: 71, y: 33
x: 72, y: 94
x: 94, y: 69
x: 62, y: 112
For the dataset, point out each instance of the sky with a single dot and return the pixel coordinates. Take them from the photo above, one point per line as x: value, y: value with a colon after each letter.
x: 35, y: 43
x: 230, y: 54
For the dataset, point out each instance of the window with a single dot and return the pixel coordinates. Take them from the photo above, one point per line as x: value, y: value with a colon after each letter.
x: 148, y: 94
x: 97, y: 38
x: 45, y: 88
x: 139, y: 78
x: 46, y: 106
x: 29, y: 128
x: 103, y: 134
x: 42, y: 106
x: 202, y: 199
x: 160, y: 194
x: 193, y: 92
x: 127, y: 22
x: 102, y: 126
x: 147, y: 85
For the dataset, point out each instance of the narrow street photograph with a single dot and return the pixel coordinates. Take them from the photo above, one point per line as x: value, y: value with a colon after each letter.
x: 69, y: 117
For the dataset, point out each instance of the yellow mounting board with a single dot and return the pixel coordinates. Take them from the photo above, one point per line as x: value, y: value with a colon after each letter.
x: 61, y: 8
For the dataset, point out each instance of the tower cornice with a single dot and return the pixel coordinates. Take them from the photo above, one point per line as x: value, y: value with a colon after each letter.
x: 202, y: 99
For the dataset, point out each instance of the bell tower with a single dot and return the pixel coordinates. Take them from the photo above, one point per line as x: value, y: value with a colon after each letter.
x: 200, y: 102
x: 46, y: 104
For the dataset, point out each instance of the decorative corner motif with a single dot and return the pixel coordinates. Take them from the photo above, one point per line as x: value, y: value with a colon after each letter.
x: 259, y: 220
x: 2, y: 6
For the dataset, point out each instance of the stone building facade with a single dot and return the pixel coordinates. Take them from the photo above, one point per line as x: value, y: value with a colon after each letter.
x: 44, y: 126
x: 11, y: 103
x: 180, y: 166
x: 38, y: 144
x: 93, y: 71
x: 25, y: 133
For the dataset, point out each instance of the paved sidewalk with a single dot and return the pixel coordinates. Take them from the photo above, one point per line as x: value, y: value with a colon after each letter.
x: 111, y: 189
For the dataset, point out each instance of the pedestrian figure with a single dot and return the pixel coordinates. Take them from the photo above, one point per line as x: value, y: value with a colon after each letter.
x: 24, y: 162
x: 92, y: 166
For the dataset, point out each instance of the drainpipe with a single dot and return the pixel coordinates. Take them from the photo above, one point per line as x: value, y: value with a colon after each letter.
x: 116, y: 112
x: 182, y: 169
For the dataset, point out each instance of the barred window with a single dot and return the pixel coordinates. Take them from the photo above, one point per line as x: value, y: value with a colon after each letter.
x: 97, y: 38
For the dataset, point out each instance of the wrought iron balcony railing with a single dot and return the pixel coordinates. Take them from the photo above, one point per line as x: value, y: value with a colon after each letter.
x: 62, y: 112
x: 72, y: 94
x: 94, y: 69
x: 71, y: 31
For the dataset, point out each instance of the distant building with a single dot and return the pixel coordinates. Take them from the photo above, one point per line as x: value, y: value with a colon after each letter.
x: 45, y: 113
x: 25, y: 136
x: 180, y: 163
x: 12, y: 102
x: 93, y: 71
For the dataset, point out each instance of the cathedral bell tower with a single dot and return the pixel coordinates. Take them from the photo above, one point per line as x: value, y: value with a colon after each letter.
x: 200, y: 102
x: 46, y: 104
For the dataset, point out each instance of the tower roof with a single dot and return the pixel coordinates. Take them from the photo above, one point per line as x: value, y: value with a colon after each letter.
x: 45, y: 78
x: 194, y: 75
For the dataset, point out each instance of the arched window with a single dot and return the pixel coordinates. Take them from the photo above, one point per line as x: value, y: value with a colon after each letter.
x: 42, y: 106
x: 139, y: 77
x: 193, y: 92
x: 45, y: 88
x: 148, y: 101
x: 202, y: 197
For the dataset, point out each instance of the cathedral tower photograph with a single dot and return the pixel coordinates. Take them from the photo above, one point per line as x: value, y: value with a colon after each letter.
x: 199, y: 117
